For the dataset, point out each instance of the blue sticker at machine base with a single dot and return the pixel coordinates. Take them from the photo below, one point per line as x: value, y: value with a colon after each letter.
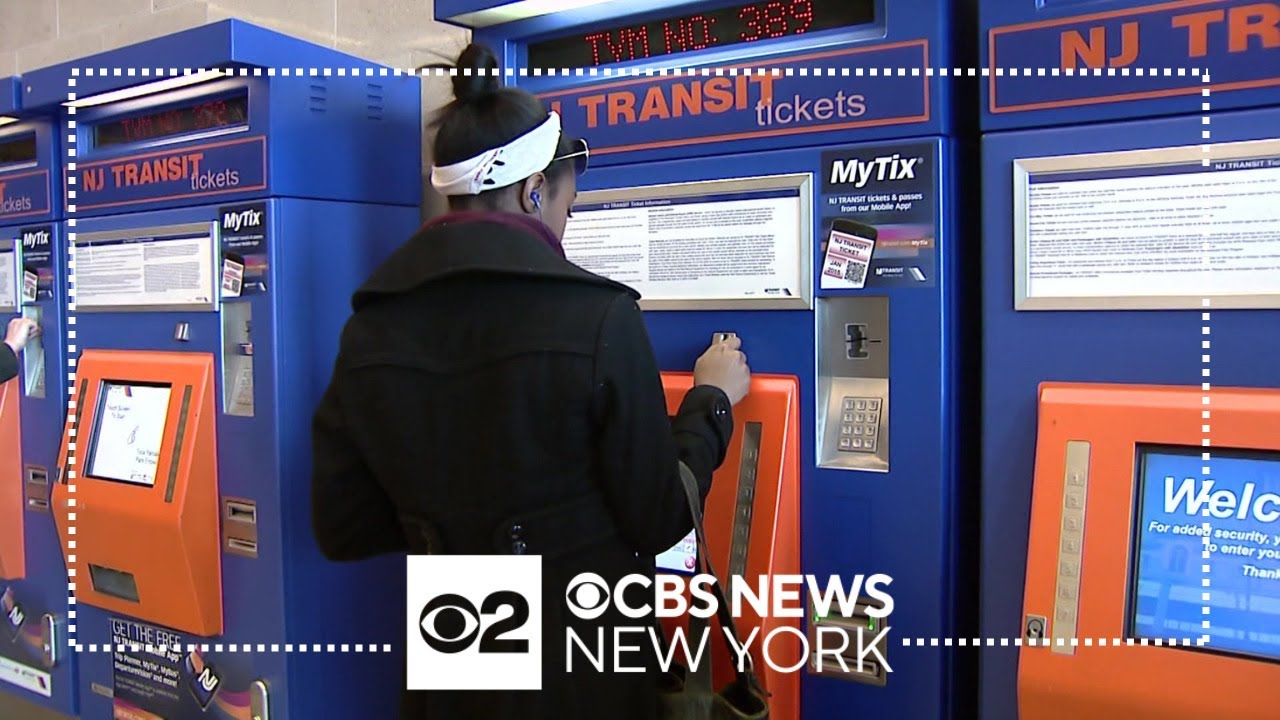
x: 893, y: 189
x: 22, y: 647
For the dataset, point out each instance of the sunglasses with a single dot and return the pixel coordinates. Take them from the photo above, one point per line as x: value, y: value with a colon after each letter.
x: 581, y: 155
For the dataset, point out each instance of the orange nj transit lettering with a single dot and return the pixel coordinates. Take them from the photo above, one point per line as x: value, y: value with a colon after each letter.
x: 664, y: 101
x: 131, y: 173
x: 1238, y: 29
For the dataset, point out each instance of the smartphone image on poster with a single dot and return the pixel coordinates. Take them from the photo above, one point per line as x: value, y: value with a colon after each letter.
x: 232, y: 275
x: 848, y: 258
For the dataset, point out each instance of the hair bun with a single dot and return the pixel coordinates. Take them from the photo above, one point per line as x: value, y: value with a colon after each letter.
x: 483, y: 79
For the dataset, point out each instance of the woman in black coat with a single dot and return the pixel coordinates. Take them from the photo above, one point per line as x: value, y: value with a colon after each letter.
x: 15, y: 339
x: 485, y: 378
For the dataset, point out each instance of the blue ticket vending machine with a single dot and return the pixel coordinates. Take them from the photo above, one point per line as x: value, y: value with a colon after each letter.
x: 225, y: 219
x: 35, y: 660
x: 810, y: 210
x: 1102, y: 292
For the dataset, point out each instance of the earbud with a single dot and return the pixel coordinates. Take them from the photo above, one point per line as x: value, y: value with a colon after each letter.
x: 536, y: 198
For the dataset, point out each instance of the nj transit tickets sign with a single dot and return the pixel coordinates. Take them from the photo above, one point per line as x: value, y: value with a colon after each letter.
x: 1237, y: 43
x: 669, y: 111
x: 191, y: 171
x: 24, y: 194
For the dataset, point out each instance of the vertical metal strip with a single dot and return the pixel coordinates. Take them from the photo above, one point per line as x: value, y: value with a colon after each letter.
x: 748, y: 468
x: 75, y: 436
x: 1075, y: 491
x: 177, y: 443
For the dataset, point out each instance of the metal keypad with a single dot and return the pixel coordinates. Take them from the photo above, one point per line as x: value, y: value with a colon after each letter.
x: 859, y: 424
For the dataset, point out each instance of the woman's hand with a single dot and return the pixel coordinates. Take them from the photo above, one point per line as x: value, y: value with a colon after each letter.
x: 20, y: 331
x: 724, y: 366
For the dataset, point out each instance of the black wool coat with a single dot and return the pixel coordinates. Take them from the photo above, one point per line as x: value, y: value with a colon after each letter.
x: 482, y: 380
x: 8, y: 363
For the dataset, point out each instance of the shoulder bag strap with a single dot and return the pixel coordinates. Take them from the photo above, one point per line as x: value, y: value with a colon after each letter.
x: 745, y: 675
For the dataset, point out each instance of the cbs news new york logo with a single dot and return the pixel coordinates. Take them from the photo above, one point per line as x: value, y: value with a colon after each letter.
x: 475, y: 622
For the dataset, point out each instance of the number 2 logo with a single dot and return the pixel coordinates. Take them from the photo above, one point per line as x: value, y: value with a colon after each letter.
x: 450, y: 623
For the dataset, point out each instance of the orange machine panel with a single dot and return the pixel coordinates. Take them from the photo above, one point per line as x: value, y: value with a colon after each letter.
x: 773, y: 547
x: 1088, y: 438
x: 146, y: 545
x: 13, y: 551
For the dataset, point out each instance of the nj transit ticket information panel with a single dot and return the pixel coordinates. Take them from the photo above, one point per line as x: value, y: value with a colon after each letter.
x: 715, y: 241
x: 8, y: 276
x: 1150, y: 229
x: 163, y: 271
x: 1240, y: 501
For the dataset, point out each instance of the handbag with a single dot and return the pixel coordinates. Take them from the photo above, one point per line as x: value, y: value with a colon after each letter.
x: 688, y: 695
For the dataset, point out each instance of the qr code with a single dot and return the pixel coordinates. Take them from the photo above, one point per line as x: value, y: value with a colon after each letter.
x: 855, y: 272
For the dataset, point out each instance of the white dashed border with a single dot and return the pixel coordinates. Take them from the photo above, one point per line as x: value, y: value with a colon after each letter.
x: 72, y: 413
x: 1205, y: 381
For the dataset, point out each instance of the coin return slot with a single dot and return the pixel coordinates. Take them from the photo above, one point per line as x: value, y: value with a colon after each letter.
x: 245, y: 546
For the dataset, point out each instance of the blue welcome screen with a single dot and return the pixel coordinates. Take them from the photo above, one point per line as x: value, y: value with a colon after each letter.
x: 1240, y: 500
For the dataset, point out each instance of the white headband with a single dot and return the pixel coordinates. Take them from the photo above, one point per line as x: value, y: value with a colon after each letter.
x: 500, y: 167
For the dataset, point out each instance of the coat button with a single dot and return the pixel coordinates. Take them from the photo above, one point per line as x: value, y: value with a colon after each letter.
x: 517, y: 532
x: 518, y: 547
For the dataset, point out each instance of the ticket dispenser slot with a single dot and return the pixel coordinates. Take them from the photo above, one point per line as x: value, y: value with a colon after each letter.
x: 13, y: 548
x: 853, y: 383
x: 850, y: 647
x: 237, y: 358
x: 33, y: 357
x: 752, y: 520
x: 146, y: 533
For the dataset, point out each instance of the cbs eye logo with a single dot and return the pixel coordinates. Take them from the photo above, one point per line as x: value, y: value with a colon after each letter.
x: 450, y: 623
x: 588, y: 596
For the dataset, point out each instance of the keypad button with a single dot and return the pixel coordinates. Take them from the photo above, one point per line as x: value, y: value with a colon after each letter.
x: 849, y: 403
x: 870, y: 430
x: 846, y: 443
x: 848, y: 417
x: 862, y: 405
x: 857, y: 443
x: 873, y: 404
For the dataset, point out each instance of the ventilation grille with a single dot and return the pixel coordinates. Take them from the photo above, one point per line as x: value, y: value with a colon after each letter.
x: 374, y: 102
x: 318, y: 98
